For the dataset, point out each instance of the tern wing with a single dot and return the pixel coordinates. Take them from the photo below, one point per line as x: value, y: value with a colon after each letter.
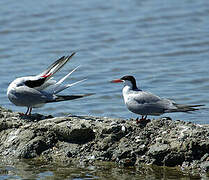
x: 163, y: 105
x: 56, y: 66
x: 149, y: 104
x: 143, y: 97
x: 29, y: 97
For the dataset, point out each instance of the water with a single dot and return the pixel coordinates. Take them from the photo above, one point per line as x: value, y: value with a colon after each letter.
x: 30, y: 169
x: 165, y: 45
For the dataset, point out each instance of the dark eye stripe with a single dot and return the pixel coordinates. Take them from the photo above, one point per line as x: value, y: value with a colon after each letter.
x: 35, y: 83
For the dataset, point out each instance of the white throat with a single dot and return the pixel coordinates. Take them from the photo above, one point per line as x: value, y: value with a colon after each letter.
x: 128, y: 83
x: 127, y: 88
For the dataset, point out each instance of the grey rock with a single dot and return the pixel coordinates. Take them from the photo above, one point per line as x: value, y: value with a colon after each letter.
x: 87, y: 139
x: 157, y: 149
x: 205, y: 166
x: 158, y: 152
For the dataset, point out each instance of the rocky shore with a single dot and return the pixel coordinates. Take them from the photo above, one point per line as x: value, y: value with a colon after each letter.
x: 85, y: 139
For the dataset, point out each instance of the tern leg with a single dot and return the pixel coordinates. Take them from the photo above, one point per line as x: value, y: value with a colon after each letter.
x: 28, y: 112
x: 139, y: 120
x: 143, y: 118
x: 30, y: 109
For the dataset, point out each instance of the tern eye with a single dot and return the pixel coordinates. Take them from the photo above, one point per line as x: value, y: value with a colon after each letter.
x: 35, y: 83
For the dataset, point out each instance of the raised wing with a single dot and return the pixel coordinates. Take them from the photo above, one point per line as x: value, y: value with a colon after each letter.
x: 56, y: 66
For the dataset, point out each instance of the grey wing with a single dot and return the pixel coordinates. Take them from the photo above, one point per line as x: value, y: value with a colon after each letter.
x: 152, y: 104
x: 24, y: 96
x: 146, y: 98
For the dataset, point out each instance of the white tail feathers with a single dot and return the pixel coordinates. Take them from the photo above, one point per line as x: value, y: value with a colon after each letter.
x: 58, y: 87
x: 61, y: 88
x: 61, y: 80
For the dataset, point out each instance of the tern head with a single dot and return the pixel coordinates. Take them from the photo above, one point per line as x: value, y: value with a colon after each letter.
x: 127, y: 80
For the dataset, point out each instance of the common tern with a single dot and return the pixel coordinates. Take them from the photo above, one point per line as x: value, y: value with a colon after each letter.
x: 35, y: 91
x: 146, y: 103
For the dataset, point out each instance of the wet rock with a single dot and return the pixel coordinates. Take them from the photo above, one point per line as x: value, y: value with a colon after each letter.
x: 173, y: 159
x: 127, y: 162
x: 162, y: 142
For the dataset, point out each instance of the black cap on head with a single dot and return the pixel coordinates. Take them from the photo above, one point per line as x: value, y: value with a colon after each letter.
x: 130, y: 78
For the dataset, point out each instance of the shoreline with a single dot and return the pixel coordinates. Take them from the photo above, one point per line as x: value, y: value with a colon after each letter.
x: 88, y: 139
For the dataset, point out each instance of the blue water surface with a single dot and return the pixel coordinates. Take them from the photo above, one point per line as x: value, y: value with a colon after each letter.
x: 164, y: 44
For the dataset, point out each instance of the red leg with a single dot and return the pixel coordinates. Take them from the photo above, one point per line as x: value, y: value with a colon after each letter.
x: 143, y: 119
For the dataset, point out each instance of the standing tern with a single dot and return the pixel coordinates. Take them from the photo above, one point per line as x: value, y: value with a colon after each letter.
x: 35, y: 91
x: 146, y: 103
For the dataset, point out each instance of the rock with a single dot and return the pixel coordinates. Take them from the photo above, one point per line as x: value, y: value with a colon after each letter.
x: 127, y: 162
x: 205, y: 166
x: 173, y: 159
x: 86, y: 139
x: 158, y: 149
x: 205, y: 157
x: 158, y: 152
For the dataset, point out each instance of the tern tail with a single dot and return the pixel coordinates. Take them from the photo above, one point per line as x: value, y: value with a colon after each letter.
x: 67, y: 98
x: 185, y: 108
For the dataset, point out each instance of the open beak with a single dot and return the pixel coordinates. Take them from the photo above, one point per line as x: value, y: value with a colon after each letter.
x: 116, y: 81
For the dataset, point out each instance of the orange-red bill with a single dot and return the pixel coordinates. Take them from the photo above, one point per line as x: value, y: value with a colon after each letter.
x: 116, y: 81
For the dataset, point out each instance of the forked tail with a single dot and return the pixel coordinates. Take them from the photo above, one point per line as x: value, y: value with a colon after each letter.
x: 186, y: 108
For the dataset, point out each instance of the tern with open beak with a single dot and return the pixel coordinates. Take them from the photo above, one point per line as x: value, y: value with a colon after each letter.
x: 35, y: 91
x: 146, y: 103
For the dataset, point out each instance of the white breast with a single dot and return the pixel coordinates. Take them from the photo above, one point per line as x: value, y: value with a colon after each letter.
x: 126, y: 92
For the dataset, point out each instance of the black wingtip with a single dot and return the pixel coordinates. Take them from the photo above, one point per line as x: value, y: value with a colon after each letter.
x: 188, y: 108
x: 89, y: 94
x: 198, y: 105
x: 72, y: 55
x: 70, y: 97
